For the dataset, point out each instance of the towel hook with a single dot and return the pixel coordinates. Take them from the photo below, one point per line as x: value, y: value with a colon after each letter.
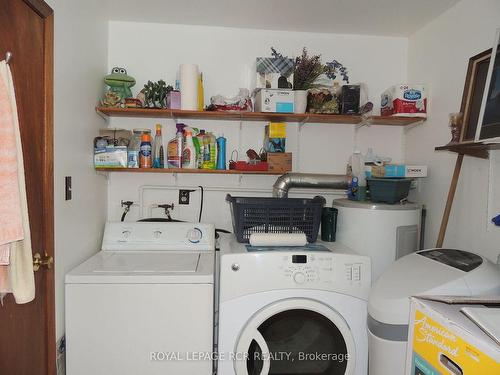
x: 8, y: 57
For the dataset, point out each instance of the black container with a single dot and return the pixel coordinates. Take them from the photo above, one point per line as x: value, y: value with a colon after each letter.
x: 329, y: 224
x: 388, y: 190
x: 350, y: 99
x: 275, y: 215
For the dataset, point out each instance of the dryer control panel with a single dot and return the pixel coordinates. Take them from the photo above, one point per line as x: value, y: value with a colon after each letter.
x: 272, y: 270
x: 318, y: 268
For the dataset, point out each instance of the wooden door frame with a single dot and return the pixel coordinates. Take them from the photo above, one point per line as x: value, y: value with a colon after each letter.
x: 47, y: 14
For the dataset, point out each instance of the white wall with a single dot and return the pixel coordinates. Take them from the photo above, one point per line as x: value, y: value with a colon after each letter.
x: 80, y: 63
x: 227, y: 58
x: 438, y: 54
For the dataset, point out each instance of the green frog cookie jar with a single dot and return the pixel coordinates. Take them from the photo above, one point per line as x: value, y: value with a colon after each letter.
x: 119, y: 84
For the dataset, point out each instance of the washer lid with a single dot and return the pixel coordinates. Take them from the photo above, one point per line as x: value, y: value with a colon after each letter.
x: 412, y: 275
x: 144, y: 267
x: 368, y: 205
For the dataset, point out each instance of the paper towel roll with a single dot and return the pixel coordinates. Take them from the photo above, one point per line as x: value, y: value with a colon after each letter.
x: 188, y: 74
x: 278, y: 239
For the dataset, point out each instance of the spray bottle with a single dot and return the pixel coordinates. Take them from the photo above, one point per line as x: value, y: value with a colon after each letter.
x: 175, y: 148
x: 158, y: 153
x: 189, y: 152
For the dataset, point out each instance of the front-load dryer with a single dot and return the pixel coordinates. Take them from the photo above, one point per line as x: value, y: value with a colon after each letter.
x: 292, y: 310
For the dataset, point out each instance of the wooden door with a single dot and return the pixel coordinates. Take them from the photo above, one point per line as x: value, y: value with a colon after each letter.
x: 27, y: 338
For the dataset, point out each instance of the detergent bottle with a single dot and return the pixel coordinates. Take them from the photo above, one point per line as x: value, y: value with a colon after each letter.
x: 175, y: 148
x: 158, y: 153
x: 189, y: 152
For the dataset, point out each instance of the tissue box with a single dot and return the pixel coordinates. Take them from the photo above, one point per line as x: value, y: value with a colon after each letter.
x: 279, y: 162
x: 281, y: 101
x: 110, y: 157
x: 404, y: 100
x: 274, y: 73
x: 447, y: 335
x: 396, y: 170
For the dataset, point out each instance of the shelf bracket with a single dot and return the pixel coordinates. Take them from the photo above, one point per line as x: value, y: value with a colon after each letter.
x: 407, y: 128
x: 102, y: 115
x: 102, y: 173
x: 303, y: 122
x: 365, y: 121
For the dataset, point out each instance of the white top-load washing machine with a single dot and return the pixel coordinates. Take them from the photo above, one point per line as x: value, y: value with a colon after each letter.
x: 144, y: 304
x: 384, y: 232
x: 292, y: 310
x: 427, y: 272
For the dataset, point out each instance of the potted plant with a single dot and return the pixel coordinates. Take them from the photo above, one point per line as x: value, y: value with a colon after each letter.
x: 306, y: 72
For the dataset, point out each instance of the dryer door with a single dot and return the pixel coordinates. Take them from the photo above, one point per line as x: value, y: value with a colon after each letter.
x: 295, y: 336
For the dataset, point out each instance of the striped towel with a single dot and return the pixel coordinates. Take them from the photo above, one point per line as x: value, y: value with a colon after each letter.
x: 15, y: 236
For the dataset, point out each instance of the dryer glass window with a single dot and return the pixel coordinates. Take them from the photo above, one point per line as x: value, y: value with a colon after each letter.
x: 300, y: 342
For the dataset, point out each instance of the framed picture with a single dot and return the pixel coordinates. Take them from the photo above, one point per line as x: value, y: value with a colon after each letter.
x: 489, y: 117
x: 475, y: 82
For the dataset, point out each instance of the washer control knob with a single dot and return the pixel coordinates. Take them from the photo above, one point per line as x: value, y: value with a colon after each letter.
x: 235, y: 267
x: 299, y: 278
x: 157, y: 234
x: 126, y: 233
x: 194, y: 235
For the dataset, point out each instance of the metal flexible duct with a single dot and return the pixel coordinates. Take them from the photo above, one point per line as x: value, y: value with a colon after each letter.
x: 308, y: 180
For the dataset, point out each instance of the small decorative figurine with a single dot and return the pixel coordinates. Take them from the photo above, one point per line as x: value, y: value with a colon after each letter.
x: 119, y: 87
x: 455, y: 126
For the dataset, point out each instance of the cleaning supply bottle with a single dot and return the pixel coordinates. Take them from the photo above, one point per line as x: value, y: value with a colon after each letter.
x: 197, y: 148
x: 200, y: 156
x: 158, y: 152
x: 221, y: 153
x: 201, y: 94
x: 145, y: 158
x: 213, y: 151
x: 175, y: 148
x: 358, y: 170
x: 189, y: 152
x: 206, y: 151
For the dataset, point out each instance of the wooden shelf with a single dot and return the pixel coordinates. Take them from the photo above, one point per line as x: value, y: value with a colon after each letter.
x: 180, y: 170
x: 256, y: 116
x: 476, y: 149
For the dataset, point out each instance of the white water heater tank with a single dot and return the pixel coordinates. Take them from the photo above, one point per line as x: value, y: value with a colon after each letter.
x: 384, y: 232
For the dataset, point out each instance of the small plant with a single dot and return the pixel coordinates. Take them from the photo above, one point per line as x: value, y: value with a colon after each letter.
x: 155, y: 94
x: 307, y: 70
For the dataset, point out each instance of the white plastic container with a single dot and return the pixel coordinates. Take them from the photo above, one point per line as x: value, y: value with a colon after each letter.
x: 189, y: 152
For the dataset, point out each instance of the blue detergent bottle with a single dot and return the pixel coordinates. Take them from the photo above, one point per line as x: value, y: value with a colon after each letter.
x: 221, y: 153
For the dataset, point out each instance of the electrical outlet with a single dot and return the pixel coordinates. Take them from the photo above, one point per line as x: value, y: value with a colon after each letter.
x: 184, y: 196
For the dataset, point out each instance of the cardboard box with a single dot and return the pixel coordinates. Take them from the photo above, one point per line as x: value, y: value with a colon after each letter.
x: 275, y: 73
x: 280, y: 101
x: 275, y: 137
x: 442, y: 339
x: 279, y: 162
x: 276, y: 130
x: 396, y: 171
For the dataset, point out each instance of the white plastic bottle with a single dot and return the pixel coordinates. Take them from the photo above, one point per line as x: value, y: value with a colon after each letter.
x: 189, y: 152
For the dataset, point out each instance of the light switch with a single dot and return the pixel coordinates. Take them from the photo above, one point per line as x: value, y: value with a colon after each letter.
x: 67, y: 188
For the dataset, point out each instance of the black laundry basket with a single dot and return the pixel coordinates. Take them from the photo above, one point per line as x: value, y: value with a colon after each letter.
x: 275, y: 215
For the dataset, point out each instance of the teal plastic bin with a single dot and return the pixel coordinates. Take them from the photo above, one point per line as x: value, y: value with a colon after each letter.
x: 388, y: 190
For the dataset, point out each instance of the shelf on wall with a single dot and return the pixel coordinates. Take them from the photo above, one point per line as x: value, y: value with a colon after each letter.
x: 475, y: 149
x: 181, y: 170
x: 257, y: 116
